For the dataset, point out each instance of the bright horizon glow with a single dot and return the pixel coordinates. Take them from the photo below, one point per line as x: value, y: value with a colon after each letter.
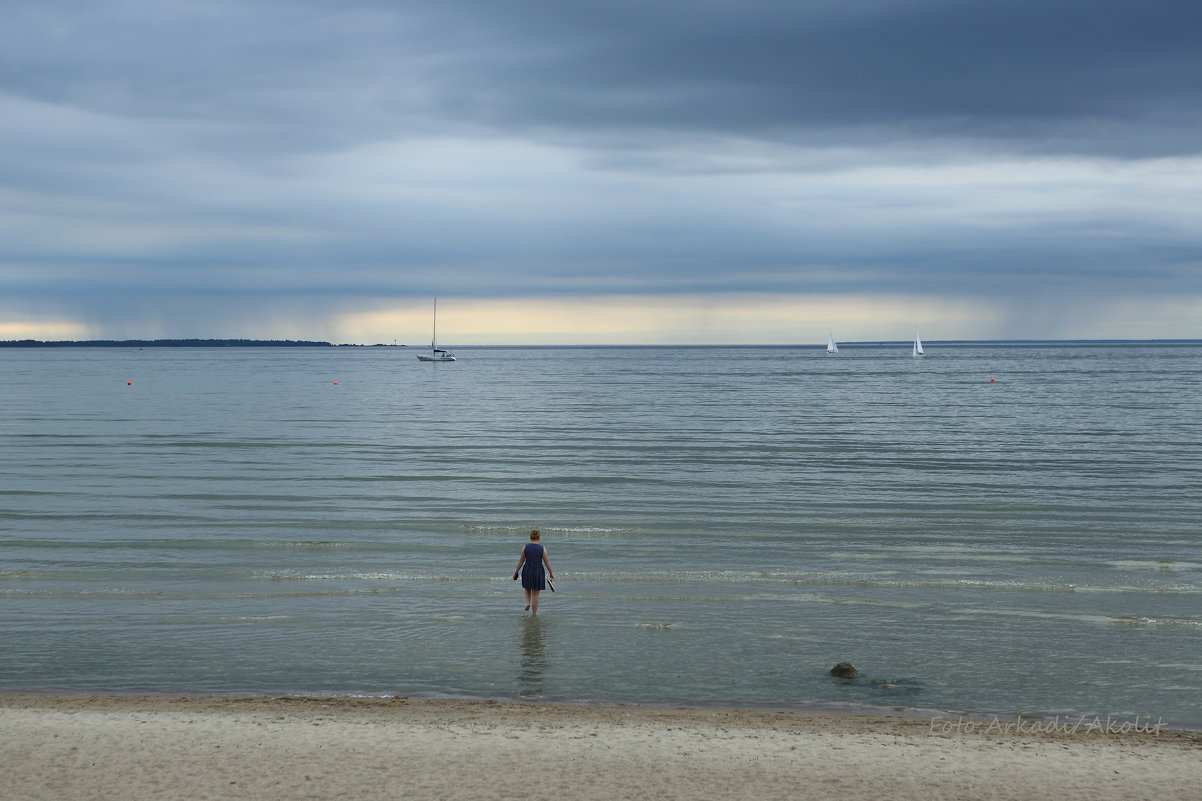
x: 695, y: 319
x: 640, y: 320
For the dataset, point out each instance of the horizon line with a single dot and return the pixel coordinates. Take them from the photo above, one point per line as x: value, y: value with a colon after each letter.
x: 292, y: 343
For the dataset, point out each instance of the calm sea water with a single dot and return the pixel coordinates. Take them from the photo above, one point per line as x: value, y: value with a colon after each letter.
x: 725, y: 524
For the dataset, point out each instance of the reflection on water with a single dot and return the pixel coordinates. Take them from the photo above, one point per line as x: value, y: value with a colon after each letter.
x: 533, y: 659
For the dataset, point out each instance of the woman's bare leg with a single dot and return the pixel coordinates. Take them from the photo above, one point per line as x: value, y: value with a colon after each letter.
x: 534, y: 601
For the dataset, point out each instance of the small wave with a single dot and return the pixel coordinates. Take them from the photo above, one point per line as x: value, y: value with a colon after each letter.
x: 118, y: 592
x: 1167, y: 565
x: 331, y: 593
x: 1156, y: 622
x: 884, y: 580
x: 574, y: 532
x: 594, y: 531
x: 971, y: 614
x: 390, y: 576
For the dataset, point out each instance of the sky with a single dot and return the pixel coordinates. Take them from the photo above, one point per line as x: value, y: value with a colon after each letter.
x: 558, y: 172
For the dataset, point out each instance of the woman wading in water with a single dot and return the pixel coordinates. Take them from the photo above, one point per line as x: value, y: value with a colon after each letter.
x: 534, y: 578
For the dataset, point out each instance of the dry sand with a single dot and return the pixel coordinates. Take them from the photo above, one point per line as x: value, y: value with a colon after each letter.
x: 134, y: 748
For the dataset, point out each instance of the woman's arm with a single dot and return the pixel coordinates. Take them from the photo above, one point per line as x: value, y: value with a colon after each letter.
x: 547, y: 562
x: 521, y: 561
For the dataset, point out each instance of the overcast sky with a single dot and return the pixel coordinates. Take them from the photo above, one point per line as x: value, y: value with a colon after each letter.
x: 660, y: 171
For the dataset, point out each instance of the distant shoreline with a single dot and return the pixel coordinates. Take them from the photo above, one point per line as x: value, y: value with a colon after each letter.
x: 180, y: 343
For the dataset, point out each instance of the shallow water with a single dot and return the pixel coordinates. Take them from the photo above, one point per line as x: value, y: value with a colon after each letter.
x: 725, y: 524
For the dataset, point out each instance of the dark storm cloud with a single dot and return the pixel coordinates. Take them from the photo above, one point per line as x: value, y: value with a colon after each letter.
x: 1074, y: 76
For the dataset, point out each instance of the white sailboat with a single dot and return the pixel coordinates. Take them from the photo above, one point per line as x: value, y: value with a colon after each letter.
x: 917, y: 345
x: 436, y: 353
x: 831, y: 347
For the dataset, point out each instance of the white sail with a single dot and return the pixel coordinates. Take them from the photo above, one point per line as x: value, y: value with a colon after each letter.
x: 831, y: 347
x: 917, y: 344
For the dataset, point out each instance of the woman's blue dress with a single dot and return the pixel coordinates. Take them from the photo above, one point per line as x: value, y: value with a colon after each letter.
x: 534, y: 576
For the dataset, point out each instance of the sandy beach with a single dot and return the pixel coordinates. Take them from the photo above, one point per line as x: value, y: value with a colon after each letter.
x: 135, y: 748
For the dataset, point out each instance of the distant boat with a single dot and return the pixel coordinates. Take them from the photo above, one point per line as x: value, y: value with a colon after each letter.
x: 917, y: 345
x: 831, y: 347
x: 436, y: 353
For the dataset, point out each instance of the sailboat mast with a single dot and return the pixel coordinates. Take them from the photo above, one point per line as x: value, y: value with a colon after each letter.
x: 435, y: 354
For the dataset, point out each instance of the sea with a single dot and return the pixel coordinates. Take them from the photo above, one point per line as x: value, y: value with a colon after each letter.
x: 988, y: 530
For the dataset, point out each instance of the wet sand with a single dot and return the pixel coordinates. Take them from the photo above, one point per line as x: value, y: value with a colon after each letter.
x: 161, y: 747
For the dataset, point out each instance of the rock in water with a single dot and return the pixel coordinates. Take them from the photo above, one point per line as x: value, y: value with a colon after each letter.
x: 844, y: 670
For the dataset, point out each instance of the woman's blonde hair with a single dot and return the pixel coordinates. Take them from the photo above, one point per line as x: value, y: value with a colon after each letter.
x: 534, y: 534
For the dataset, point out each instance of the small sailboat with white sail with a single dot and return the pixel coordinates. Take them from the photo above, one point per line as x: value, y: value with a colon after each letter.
x: 436, y: 353
x: 831, y: 347
x: 917, y: 345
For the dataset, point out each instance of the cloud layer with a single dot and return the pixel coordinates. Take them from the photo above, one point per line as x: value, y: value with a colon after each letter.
x: 313, y: 169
